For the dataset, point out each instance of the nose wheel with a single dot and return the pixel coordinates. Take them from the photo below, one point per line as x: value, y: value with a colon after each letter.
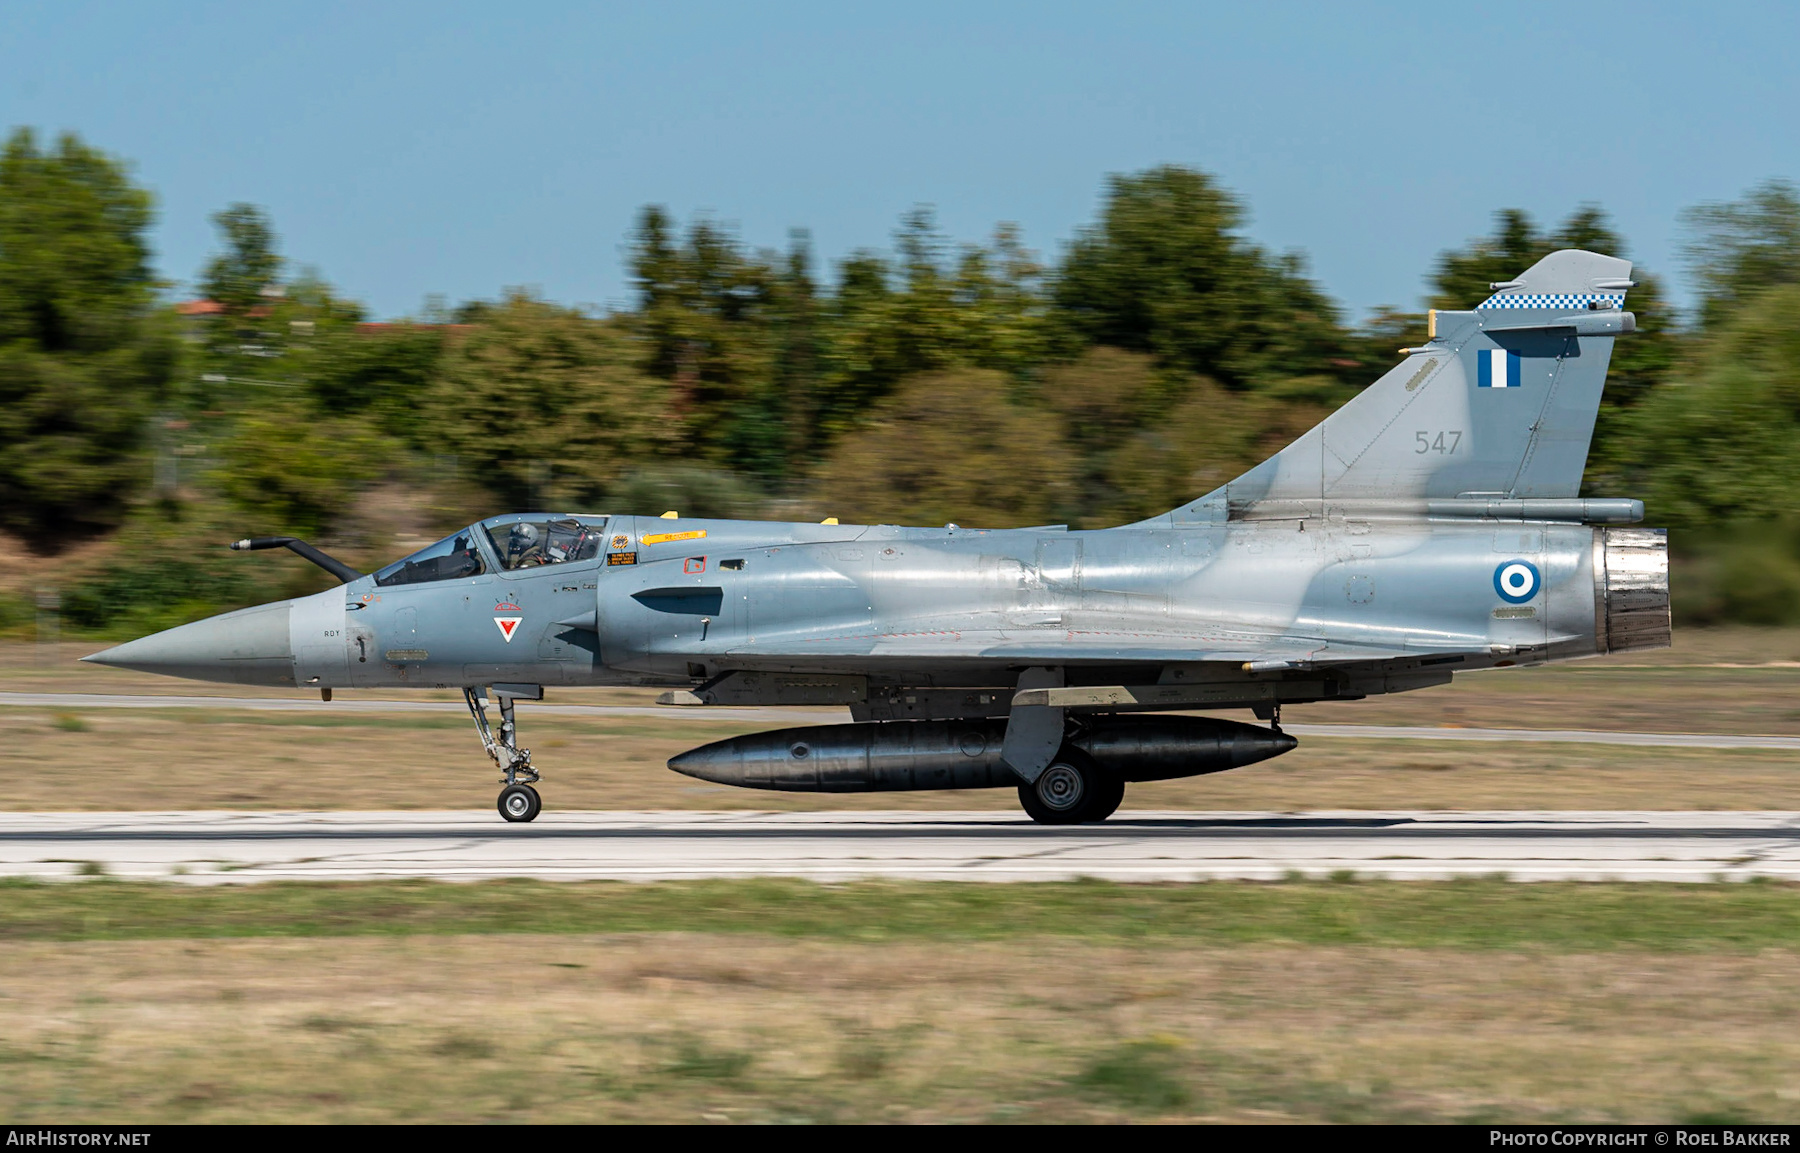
x: 518, y: 800
x: 519, y: 803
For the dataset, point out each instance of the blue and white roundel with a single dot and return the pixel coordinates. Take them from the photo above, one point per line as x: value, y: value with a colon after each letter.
x: 1516, y: 581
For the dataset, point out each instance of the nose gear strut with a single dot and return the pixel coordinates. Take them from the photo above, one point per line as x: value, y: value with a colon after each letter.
x: 518, y: 773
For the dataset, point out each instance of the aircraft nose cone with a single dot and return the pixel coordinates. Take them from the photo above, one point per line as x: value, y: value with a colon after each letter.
x: 246, y: 647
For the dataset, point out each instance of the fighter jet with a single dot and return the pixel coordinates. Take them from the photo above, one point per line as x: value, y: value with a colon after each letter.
x: 1431, y: 526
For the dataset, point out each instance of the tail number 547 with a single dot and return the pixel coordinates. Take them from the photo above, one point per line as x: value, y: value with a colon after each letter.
x: 1441, y: 442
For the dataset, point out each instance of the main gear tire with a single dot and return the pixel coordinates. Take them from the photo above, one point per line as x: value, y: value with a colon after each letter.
x: 1072, y: 790
x: 1109, y: 793
x: 519, y: 803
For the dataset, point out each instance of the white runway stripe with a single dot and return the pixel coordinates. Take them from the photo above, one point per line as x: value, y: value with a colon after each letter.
x: 215, y: 848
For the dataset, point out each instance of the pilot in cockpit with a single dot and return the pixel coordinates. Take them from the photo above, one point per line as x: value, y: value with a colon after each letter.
x: 522, y: 546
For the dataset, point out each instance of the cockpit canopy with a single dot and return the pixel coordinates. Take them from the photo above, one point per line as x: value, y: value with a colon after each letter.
x: 454, y: 556
x: 507, y: 543
x: 528, y: 540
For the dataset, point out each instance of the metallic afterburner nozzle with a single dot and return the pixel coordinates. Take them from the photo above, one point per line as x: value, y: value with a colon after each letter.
x: 246, y: 647
x: 900, y: 756
x: 1632, y: 578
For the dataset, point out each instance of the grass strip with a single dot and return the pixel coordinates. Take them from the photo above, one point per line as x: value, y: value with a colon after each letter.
x: 1467, y: 914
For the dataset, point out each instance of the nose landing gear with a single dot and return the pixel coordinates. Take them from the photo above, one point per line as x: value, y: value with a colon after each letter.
x: 518, y: 800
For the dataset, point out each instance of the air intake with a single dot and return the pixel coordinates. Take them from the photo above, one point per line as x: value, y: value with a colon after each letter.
x: 1633, y: 589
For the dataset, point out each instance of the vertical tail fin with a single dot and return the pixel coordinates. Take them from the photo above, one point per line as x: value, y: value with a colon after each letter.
x: 1500, y: 402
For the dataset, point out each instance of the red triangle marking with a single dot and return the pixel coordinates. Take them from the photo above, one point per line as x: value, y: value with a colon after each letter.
x: 507, y: 626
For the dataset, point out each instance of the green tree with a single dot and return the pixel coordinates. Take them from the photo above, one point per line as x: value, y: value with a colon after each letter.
x: 691, y: 490
x: 766, y: 368
x: 1209, y: 437
x: 862, y: 351
x: 383, y: 374
x: 949, y: 446
x: 1714, y: 455
x: 252, y: 330
x: 296, y: 469
x: 798, y: 351
x: 927, y: 311
x: 239, y: 277
x: 83, y: 359
x: 542, y: 403
x: 1102, y: 399
x: 1725, y: 443
x: 315, y: 408
x: 1744, y: 247
x: 709, y: 312
x: 1166, y: 271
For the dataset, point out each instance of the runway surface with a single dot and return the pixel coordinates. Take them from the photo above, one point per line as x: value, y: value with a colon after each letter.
x: 211, y: 848
x: 775, y: 716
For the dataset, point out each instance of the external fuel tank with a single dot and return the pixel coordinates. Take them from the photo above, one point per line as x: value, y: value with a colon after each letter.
x: 901, y: 756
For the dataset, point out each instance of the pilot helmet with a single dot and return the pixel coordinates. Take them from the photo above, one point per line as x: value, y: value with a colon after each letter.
x: 523, y: 537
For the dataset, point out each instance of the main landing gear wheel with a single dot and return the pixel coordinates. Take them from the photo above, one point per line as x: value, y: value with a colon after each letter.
x: 520, y: 803
x: 1071, y: 791
x: 1109, y: 793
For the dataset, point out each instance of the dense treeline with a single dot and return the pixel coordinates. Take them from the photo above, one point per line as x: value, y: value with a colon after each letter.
x: 1158, y: 355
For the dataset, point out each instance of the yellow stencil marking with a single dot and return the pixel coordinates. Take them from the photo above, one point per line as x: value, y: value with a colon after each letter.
x: 663, y: 537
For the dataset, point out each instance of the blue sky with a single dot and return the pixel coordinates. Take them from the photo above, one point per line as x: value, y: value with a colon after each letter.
x: 406, y: 149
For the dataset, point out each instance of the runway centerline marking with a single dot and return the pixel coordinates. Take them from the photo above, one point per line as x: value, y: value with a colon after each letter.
x: 220, y: 847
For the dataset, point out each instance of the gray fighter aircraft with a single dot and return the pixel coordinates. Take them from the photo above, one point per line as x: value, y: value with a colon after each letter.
x: 1431, y: 526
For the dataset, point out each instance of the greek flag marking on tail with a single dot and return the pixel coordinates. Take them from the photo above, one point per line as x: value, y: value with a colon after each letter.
x: 1497, y: 368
